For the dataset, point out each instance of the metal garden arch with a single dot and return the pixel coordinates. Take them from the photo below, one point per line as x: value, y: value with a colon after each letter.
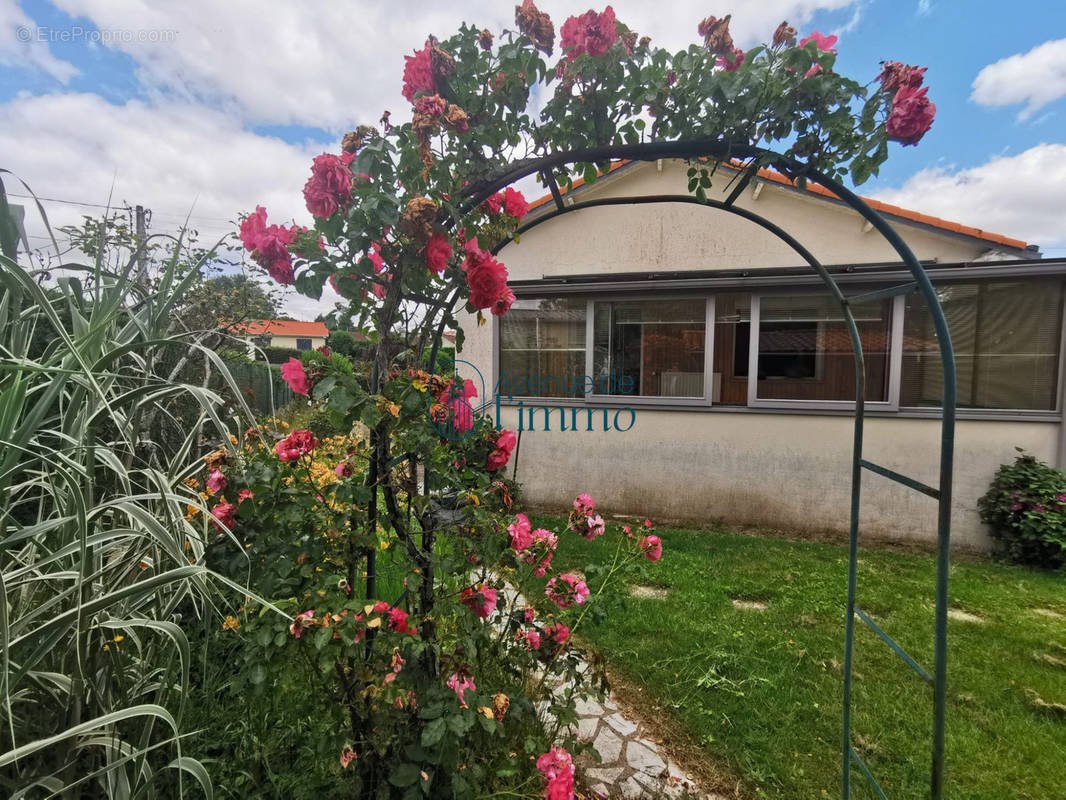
x: 722, y: 150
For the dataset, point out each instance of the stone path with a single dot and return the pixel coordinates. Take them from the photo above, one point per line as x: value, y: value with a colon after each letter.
x: 631, y: 765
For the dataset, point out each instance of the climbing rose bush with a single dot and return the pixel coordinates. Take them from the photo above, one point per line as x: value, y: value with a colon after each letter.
x: 411, y: 587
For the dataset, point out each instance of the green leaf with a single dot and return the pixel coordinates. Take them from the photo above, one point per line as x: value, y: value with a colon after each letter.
x: 405, y: 775
x: 434, y: 732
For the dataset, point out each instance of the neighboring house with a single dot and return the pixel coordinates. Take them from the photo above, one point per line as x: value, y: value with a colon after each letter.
x: 738, y: 368
x: 284, y: 333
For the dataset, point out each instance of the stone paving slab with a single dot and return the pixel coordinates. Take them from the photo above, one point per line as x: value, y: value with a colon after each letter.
x: 631, y: 766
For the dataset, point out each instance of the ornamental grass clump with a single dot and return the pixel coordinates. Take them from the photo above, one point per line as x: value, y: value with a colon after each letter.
x: 102, y: 541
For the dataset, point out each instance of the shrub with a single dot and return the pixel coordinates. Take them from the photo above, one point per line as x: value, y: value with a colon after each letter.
x: 1026, y: 507
x: 322, y: 426
x: 279, y: 355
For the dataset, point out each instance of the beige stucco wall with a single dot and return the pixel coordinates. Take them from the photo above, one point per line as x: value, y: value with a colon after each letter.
x: 789, y: 472
x: 785, y: 471
x: 290, y: 341
x: 678, y: 237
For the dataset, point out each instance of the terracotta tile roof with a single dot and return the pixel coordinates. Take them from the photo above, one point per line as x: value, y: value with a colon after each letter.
x: 285, y: 327
x: 877, y: 205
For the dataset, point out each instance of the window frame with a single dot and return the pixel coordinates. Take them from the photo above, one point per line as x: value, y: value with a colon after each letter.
x: 892, y: 379
x: 633, y: 400
x: 890, y: 407
x: 1013, y: 413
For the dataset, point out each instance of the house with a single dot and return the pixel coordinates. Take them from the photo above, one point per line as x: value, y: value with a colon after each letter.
x: 681, y: 362
x: 292, y: 334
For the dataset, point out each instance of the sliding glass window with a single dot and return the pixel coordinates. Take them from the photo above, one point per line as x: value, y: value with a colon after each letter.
x: 781, y: 350
x: 1006, y: 337
x: 650, y: 348
x: 542, y: 348
x: 804, y: 349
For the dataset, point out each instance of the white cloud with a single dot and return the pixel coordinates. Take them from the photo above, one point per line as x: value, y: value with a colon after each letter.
x: 925, y: 7
x: 174, y: 160
x: 1020, y: 196
x: 336, y: 65
x: 1036, y: 78
x: 21, y: 45
x: 230, y: 65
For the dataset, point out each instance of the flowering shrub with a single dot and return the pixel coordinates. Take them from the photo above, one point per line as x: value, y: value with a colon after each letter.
x: 1026, y: 509
x: 398, y: 559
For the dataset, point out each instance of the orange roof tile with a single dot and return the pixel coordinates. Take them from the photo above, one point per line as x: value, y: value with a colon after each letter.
x: 877, y: 205
x: 285, y: 327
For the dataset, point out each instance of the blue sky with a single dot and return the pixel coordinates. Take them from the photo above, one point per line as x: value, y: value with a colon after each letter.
x: 209, y: 108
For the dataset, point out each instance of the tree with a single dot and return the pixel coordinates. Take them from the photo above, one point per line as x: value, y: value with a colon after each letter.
x: 228, y: 300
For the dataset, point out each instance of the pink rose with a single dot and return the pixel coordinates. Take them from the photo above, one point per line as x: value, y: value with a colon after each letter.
x: 244, y: 494
x: 296, y: 444
x: 223, y: 513
x: 557, y: 767
x: 294, y: 374
x: 216, y: 481
x: 596, y: 527
x: 821, y: 42
x: 482, y: 600
x: 590, y: 33
x: 912, y: 115
x: 499, y: 457
x: 731, y: 63
x: 459, y: 683
x: 558, y: 633
x: 462, y: 415
x: 454, y: 390
x: 584, y: 503
x: 566, y: 590
x: 514, y: 203
x: 494, y: 203
x: 521, y: 537
x: 651, y: 547
x: 532, y: 639
x: 438, y: 252
x: 252, y: 228
x: 418, y: 73
x: 824, y: 43
x: 398, y: 621
x: 504, y: 300
x: 329, y: 187
x: 487, y: 279
x: 269, y: 246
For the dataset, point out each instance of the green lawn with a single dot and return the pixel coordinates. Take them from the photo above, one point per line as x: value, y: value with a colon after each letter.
x: 760, y: 689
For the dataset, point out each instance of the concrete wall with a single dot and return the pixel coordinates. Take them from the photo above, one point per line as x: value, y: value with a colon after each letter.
x: 785, y: 471
x: 789, y: 472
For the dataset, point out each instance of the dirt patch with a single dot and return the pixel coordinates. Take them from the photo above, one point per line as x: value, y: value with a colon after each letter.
x: 649, y: 592
x: 1050, y: 660
x: 710, y: 774
x: 959, y: 615
x: 1049, y: 612
x: 749, y: 605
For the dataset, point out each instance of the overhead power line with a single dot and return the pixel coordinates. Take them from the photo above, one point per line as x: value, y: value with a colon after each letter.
x: 118, y: 207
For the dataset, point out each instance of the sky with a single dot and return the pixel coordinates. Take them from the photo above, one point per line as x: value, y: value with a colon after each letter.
x: 203, y: 109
